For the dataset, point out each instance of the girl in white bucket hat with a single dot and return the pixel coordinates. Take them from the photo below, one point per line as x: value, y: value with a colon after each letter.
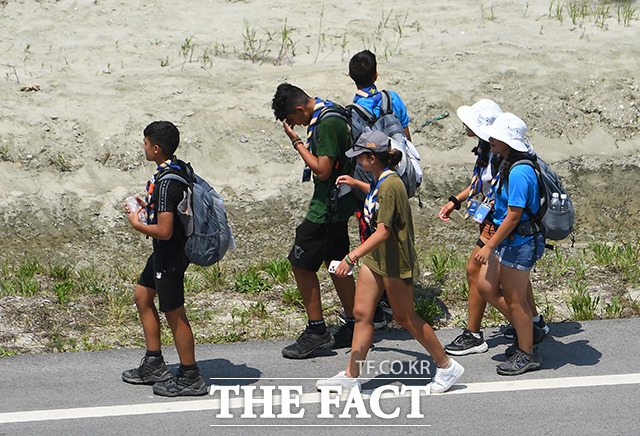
x: 476, y: 117
x: 508, y: 257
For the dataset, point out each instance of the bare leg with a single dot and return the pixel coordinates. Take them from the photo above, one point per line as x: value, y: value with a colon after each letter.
x: 401, y: 300
x: 309, y: 286
x: 346, y: 289
x: 489, y: 285
x: 532, y: 302
x: 368, y: 292
x: 514, y: 288
x: 143, y: 297
x: 477, y: 303
x: 182, y: 335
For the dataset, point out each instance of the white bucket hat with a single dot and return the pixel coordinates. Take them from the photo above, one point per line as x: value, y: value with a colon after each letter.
x: 481, y: 113
x: 509, y: 129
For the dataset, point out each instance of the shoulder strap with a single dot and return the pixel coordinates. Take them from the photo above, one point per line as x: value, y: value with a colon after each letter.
x: 330, y: 111
x: 173, y: 176
x: 386, y: 106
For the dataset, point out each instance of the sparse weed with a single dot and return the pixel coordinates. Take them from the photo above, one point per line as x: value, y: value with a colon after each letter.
x: 214, y: 277
x: 250, y: 281
x: 582, y: 306
x: 63, y: 291
x: 4, y: 152
x: 6, y: 353
x: 279, y: 270
x: 186, y: 50
x: 556, y: 10
x: 440, y: 264
x: 488, y: 15
x: 255, y: 49
x: 291, y: 296
x: 626, y: 13
x: 600, y: 14
x: 287, y: 48
x: 428, y: 309
x: 614, y: 309
x: 20, y: 280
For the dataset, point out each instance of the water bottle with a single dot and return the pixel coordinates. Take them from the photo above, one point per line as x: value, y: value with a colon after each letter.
x: 135, y: 206
x: 564, y: 204
x: 554, y: 204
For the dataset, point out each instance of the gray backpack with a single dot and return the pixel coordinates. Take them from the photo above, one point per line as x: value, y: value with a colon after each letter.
x: 204, y: 218
x: 554, y: 221
x: 360, y: 120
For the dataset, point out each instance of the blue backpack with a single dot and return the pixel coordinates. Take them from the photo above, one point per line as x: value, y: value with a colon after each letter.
x: 204, y: 218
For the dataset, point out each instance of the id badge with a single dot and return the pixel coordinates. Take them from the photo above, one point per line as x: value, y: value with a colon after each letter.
x: 483, y: 211
x: 472, y: 206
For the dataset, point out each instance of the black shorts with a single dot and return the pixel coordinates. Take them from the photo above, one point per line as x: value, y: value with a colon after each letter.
x: 317, y: 243
x: 165, y: 274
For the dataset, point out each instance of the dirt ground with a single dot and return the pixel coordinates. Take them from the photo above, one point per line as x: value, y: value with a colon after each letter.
x: 71, y: 151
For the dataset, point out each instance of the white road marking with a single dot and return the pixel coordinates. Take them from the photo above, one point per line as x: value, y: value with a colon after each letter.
x: 213, y: 404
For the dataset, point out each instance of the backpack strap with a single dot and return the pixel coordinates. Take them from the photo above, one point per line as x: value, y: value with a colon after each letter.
x: 386, y: 106
x: 532, y: 225
x: 330, y: 111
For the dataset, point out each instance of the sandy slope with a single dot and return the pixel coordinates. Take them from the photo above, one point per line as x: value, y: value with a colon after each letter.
x: 71, y: 152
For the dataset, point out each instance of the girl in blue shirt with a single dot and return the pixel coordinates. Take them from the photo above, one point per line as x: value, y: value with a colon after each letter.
x: 508, y: 257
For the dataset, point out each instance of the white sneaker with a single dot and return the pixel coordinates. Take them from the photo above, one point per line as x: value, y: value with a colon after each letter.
x: 446, y: 377
x: 340, y: 379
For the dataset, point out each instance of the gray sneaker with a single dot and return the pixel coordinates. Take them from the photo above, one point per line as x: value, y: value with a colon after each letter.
x: 185, y: 383
x: 151, y: 370
x: 519, y: 363
x: 538, y: 337
x: 307, y: 343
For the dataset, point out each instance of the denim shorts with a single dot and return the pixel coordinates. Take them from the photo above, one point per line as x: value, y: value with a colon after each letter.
x: 524, y: 256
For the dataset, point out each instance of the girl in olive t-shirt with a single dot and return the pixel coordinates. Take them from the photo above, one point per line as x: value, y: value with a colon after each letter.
x: 389, y: 262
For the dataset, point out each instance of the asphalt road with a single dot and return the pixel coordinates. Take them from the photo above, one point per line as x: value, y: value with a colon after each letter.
x: 588, y: 384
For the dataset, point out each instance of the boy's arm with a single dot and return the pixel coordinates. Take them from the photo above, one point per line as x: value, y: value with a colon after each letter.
x: 407, y: 134
x: 163, y: 230
x: 322, y: 166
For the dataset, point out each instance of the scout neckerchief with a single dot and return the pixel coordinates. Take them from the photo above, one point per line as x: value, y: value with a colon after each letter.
x: 476, y: 185
x: 368, y: 92
x: 317, y: 109
x: 372, y: 198
x: 151, y: 213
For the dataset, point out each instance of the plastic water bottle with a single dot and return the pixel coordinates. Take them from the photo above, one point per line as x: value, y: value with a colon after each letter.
x: 563, y: 202
x: 133, y: 205
x: 554, y: 204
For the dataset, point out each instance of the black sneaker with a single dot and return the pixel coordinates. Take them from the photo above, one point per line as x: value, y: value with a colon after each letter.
x: 379, y: 320
x: 466, y: 343
x: 343, y: 337
x: 510, y: 331
x: 185, y: 383
x: 385, y: 306
x: 538, y: 337
x: 151, y: 370
x: 519, y: 363
x: 307, y: 343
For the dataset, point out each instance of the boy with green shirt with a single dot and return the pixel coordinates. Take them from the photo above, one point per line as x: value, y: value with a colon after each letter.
x: 322, y: 236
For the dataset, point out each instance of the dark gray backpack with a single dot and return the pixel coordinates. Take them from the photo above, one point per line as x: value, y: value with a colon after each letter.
x: 555, y: 222
x: 204, y: 218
